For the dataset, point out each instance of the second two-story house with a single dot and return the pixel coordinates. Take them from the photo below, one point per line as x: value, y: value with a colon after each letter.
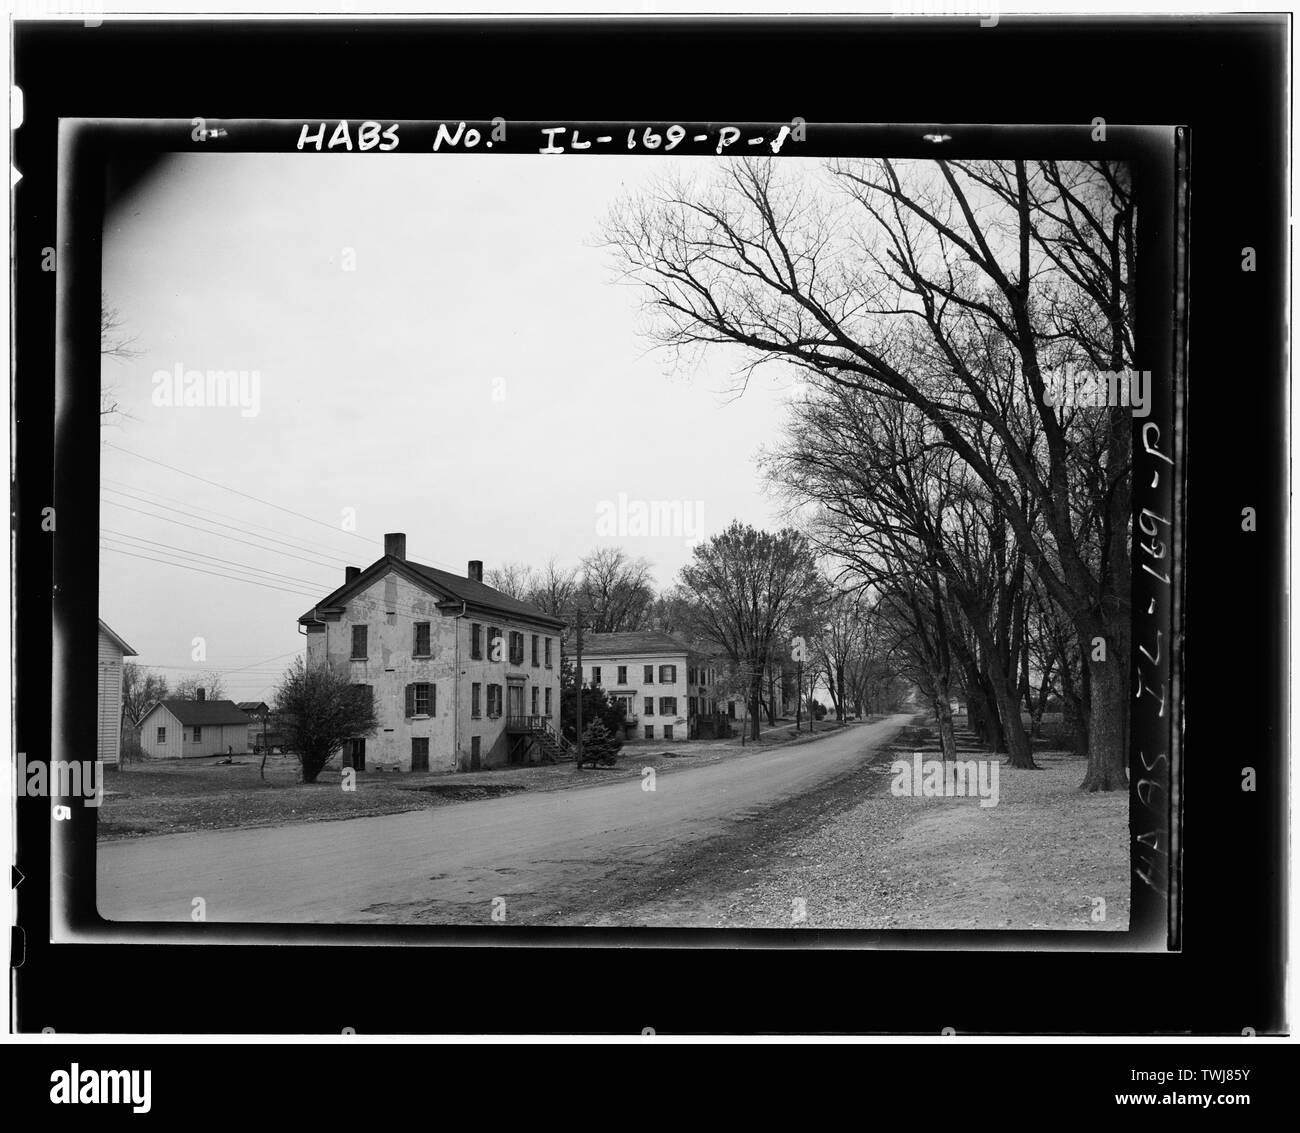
x: 667, y: 688
x: 463, y: 676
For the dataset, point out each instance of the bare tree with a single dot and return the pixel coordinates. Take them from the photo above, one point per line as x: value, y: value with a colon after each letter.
x: 515, y: 580
x: 614, y: 590
x: 214, y: 688
x: 113, y: 343
x: 748, y: 586
x: 141, y: 687
x: 957, y: 288
x: 553, y: 588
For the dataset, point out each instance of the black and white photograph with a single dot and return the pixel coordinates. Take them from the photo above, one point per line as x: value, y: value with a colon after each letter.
x: 648, y: 529
x: 617, y: 539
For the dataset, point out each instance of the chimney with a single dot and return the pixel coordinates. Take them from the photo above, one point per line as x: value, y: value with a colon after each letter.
x: 476, y: 570
x: 199, y: 694
x: 395, y: 545
x: 350, y: 574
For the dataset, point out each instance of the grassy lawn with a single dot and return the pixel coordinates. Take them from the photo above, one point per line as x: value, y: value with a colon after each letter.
x: 174, y: 796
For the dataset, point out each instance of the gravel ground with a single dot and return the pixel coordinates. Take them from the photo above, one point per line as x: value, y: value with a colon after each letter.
x: 855, y: 856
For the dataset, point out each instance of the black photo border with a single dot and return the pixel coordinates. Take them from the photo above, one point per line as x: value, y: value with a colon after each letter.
x: 74, y: 480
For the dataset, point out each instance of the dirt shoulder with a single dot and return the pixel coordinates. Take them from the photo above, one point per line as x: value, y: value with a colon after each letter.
x: 853, y: 855
x: 181, y: 796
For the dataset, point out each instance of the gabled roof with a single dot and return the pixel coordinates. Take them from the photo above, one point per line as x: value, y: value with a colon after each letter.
x: 201, y: 712
x: 441, y: 583
x: 127, y: 651
x: 252, y: 706
x: 634, y: 644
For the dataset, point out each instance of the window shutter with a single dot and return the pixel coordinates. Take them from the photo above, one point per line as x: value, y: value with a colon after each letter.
x: 433, y: 700
x: 410, y: 700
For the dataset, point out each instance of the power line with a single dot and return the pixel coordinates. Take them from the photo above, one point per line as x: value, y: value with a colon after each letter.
x: 169, y: 549
x: 218, y: 534
x: 200, y: 570
x: 232, y: 576
x: 257, y: 499
x: 307, y: 544
x: 259, y: 546
x: 242, y: 528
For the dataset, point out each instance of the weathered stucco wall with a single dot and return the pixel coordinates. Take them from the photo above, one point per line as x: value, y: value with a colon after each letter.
x: 389, y: 608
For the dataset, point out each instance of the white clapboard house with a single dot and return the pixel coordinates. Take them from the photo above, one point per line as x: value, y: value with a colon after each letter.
x: 112, y: 650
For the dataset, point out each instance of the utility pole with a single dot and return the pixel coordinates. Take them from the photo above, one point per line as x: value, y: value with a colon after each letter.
x: 798, y: 703
x: 577, y: 626
x: 798, y: 652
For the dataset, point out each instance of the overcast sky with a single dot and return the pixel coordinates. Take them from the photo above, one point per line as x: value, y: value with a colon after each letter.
x: 478, y: 381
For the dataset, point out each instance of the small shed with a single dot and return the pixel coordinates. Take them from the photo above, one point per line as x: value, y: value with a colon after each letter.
x: 112, y: 650
x: 188, y: 729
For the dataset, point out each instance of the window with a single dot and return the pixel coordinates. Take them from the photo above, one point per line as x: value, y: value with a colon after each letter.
x: 162, y: 735
x: 494, y: 644
x: 421, y: 700
x: 622, y: 674
x: 731, y: 710
x: 365, y: 694
x: 692, y: 706
x: 668, y: 731
x: 536, y: 643
x: 690, y: 674
x: 494, y: 701
x: 649, y: 675
x: 420, y: 648
x: 548, y: 653
x: 516, y: 648
x: 476, y: 641
x: 649, y: 705
x: 475, y: 700
x: 536, y: 697
x: 359, y: 643
x: 419, y: 753
x: 667, y: 674
x: 668, y: 706
x: 198, y: 734
x: 595, y: 675
x: 548, y: 702
x: 649, y: 731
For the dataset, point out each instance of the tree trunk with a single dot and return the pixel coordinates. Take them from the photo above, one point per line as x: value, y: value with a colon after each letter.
x: 947, y: 741
x: 1107, y: 725
x: 1040, y: 706
x: 1013, y: 727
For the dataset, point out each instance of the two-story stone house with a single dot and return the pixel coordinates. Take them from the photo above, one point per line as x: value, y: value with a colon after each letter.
x: 667, y: 688
x: 462, y: 676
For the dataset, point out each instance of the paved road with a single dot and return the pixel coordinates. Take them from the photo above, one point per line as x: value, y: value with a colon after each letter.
x: 544, y: 852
